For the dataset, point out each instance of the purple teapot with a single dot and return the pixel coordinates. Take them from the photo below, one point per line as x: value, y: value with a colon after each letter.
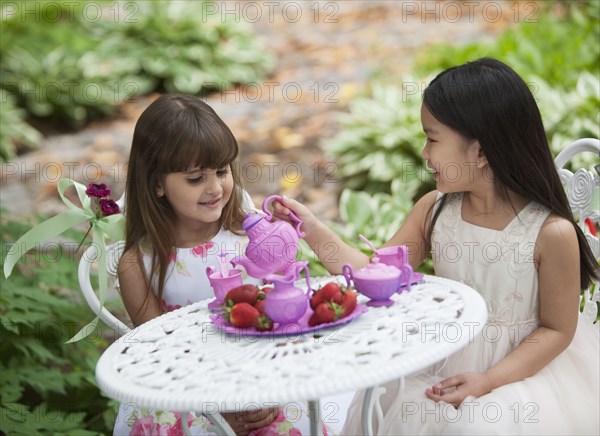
x: 286, y: 303
x: 273, y: 245
x: 378, y: 281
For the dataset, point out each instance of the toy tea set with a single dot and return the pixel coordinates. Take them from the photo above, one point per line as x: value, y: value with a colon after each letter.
x: 271, y: 255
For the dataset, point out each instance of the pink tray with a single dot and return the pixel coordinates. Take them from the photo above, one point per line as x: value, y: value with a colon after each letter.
x: 292, y: 329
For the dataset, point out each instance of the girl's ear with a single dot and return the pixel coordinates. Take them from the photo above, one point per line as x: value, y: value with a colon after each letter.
x: 160, y: 192
x: 482, y: 161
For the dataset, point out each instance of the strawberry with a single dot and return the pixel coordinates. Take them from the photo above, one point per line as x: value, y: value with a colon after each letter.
x: 263, y: 323
x: 332, y: 292
x: 260, y: 306
x: 325, y: 313
x: 243, y: 315
x: 348, y: 302
x: 242, y: 294
x: 316, y: 299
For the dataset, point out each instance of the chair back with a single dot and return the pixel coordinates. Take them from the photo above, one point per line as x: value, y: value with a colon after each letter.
x: 113, y: 254
x: 583, y: 191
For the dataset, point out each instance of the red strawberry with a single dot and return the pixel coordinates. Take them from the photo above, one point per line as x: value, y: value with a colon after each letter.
x: 263, y: 323
x: 260, y: 306
x: 243, y: 315
x: 332, y: 292
x: 325, y: 313
x: 348, y: 302
x: 316, y: 299
x: 242, y: 294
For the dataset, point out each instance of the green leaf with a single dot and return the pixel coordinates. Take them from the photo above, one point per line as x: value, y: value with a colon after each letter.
x: 354, y: 206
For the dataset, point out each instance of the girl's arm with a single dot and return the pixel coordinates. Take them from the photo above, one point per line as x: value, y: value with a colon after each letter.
x: 558, y: 272
x: 334, y: 252
x: 413, y: 232
x: 328, y: 246
x: 141, y: 305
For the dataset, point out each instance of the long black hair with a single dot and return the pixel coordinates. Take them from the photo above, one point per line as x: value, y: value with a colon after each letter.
x: 487, y: 101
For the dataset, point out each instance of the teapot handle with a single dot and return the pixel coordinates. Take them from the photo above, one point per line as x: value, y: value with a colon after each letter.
x: 297, y: 221
x: 348, y: 273
x: 210, y: 270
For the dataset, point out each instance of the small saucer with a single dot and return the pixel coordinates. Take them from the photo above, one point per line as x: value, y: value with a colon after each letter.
x: 216, y: 305
x: 414, y: 279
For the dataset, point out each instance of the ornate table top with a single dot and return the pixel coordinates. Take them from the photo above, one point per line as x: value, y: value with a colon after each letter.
x: 181, y: 361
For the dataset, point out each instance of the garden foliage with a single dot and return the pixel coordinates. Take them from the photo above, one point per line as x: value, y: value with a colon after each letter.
x: 48, y: 386
x: 13, y: 128
x: 69, y: 63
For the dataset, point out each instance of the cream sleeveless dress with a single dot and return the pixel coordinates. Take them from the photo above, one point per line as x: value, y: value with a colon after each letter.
x: 562, y: 398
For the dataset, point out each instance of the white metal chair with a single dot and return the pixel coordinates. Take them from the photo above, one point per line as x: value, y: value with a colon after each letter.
x: 583, y: 192
x: 113, y: 254
x: 90, y: 255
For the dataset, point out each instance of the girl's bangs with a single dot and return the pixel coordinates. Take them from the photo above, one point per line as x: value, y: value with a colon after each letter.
x: 212, y: 148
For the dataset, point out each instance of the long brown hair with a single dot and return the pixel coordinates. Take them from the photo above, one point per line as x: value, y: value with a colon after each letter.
x: 488, y: 101
x: 175, y: 133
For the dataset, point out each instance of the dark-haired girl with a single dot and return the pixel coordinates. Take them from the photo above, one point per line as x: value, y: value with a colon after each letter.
x: 500, y: 222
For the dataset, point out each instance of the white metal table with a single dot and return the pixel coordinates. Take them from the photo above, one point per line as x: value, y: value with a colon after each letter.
x: 181, y: 362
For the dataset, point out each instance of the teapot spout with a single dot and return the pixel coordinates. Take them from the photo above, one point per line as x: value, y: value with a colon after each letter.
x: 291, y: 274
x: 251, y: 268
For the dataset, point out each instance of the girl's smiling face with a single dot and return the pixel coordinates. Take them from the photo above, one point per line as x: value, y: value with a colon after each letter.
x: 198, y: 196
x: 454, y: 160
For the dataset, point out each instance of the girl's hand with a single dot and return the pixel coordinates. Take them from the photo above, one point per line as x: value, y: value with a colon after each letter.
x: 243, y: 423
x: 282, y: 209
x: 455, y: 389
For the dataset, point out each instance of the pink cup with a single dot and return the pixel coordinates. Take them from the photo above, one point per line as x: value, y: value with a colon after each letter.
x: 221, y: 285
x: 396, y: 255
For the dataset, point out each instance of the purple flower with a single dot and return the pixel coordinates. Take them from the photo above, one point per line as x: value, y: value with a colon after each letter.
x: 97, y: 190
x: 109, y: 207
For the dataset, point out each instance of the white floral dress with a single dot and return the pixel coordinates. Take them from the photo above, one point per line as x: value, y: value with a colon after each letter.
x: 187, y: 283
x: 561, y: 398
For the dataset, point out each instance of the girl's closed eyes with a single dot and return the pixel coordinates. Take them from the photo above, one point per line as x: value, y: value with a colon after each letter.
x: 201, y: 176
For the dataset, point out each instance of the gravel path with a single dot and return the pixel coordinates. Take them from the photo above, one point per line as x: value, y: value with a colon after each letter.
x: 325, y: 52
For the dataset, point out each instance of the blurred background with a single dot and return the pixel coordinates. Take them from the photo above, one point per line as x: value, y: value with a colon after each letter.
x: 323, y: 97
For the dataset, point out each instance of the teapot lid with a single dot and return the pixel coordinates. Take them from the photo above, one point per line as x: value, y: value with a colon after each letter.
x: 378, y: 271
x: 251, y: 220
